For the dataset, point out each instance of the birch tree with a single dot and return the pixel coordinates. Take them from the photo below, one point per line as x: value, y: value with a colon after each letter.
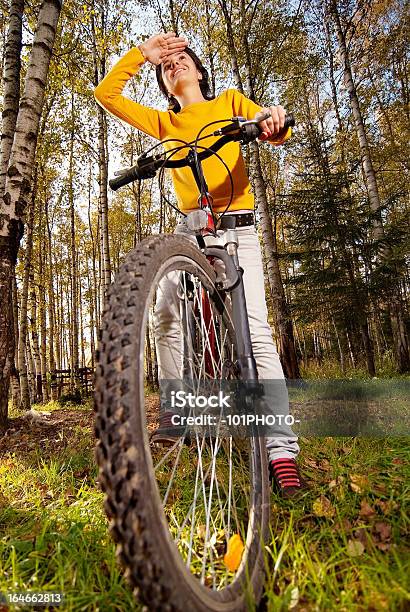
x: 17, y: 187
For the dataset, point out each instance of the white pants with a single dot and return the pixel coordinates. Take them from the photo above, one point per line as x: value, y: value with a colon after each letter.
x: 168, y: 332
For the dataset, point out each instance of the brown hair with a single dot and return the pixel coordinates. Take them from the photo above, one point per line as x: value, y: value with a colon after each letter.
x: 203, y: 83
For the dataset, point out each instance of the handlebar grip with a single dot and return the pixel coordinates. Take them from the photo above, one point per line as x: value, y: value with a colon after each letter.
x: 126, y: 177
x: 253, y: 130
x: 144, y: 169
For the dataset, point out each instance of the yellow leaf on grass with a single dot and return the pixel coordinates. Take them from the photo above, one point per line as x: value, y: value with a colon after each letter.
x: 233, y: 556
x: 323, y: 507
x: 358, y: 483
x: 355, y: 548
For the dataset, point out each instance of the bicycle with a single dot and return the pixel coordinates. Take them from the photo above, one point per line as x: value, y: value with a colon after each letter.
x: 204, y: 552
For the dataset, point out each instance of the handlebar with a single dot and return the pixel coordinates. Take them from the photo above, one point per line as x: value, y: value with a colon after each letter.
x: 239, y: 130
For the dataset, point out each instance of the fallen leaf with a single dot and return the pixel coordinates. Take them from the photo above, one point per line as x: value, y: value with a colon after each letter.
x: 358, y: 483
x: 366, y: 510
x: 233, y: 556
x: 386, y: 507
x: 398, y: 461
x: 310, y: 463
x: 383, y: 546
x: 355, y: 548
x: 324, y: 465
x: 383, y: 530
x: 323, y: 507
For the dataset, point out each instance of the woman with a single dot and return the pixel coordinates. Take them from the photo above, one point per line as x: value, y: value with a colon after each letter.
x: 184, y: 81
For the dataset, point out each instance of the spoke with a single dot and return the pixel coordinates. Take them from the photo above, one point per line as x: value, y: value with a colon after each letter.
x: 208, y: 514
x: 229, y: 488
x: 168, y: 453
x: 193, y: 517
x: 221, y: 507
x: 164, y: 501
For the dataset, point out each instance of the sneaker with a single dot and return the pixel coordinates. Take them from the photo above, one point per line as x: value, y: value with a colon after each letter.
x: 285, y: 475
x: 167, y: 433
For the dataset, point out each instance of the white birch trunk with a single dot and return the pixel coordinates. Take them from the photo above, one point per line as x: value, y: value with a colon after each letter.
x: 18, y: 180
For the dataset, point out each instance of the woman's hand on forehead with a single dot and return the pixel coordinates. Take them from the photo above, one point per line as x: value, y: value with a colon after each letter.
x: 159, y: 47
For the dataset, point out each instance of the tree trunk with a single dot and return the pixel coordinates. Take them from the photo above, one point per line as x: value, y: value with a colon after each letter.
x: 31, y: 372
x: 286, y: 347
x: 231, y: 45
x: 11, y: 97
x: 90, y: 292
x: 42, y: 325
x: 369, y: 174
x: 14, y: 372
x: 99, y: 73
x: 330, y: 55
x: 35, y: 342
x: 93, y: 287
x: 11, y: 83
x: 51, y: 305
x: 74, y: 323
x: 210, y: 52
x: 19, y: 174
x: 24, y: 382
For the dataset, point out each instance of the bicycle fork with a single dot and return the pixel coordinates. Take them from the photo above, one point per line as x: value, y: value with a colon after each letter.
x: 246, y: 360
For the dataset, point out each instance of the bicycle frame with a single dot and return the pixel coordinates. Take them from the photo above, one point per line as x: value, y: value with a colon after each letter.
x: 224, y: 247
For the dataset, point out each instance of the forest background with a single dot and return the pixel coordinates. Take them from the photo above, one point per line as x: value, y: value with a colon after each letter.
x: 332, y: 204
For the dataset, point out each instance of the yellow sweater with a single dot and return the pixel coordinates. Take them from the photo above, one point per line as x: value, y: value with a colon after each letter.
x: 185, y: 125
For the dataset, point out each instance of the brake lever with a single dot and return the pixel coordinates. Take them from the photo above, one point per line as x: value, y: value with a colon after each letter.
x: 255, y: 121
x: 237, y: 123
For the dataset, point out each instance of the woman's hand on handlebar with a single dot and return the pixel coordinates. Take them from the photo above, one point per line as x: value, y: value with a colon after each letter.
x: 157, y: 48
x: 273, y: 124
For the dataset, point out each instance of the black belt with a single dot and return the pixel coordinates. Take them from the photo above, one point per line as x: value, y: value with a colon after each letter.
x: 233, y: 221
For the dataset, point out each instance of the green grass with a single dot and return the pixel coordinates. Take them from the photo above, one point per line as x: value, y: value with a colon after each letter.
x: 53, y: 532
x: 329, y: 367
x: 310, y: 556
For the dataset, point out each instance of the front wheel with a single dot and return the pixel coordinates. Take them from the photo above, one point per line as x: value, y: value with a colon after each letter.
x: 189, y: 519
